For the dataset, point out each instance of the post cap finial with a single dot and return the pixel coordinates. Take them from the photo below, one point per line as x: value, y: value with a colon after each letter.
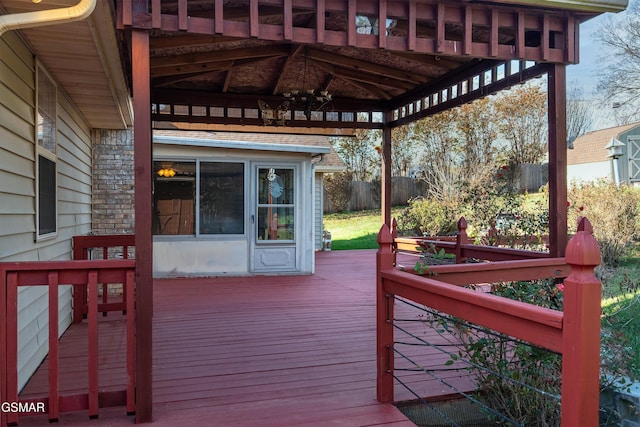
x: 583, y: 248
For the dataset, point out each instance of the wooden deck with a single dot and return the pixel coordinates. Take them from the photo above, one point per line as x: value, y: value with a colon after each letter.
x: 268, y: 351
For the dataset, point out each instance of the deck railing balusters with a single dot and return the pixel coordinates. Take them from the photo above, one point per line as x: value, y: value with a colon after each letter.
x: 84, y: 274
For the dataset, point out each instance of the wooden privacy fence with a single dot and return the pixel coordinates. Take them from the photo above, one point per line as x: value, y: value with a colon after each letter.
x: 574, y: 333
x: 52, y: 275
x: 366, y: 195
x: 116, y: 246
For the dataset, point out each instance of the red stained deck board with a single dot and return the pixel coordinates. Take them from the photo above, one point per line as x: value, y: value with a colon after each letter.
x: 267, y: 350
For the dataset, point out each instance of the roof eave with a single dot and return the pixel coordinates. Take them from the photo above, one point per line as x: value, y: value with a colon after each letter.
x: 585, y: 6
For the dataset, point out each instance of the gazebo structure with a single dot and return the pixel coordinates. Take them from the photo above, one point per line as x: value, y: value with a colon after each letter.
x: 372, y: 64
x: 384, y: 63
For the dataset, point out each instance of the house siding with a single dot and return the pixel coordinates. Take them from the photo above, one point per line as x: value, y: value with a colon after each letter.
x: 17, y: 193
x: 318, y: 210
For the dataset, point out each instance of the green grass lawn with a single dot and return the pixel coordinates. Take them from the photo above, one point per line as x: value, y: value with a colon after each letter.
x: 621, y: 309
x: 355, y: 230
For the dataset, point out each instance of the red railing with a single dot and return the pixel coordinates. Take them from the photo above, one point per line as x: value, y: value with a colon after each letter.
x: 574, y: 333
x: 53, y: 274
x: 116, y: 246
x: 461, y: 246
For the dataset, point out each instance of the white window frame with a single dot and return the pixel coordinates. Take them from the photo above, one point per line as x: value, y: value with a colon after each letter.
x: 41, y: 151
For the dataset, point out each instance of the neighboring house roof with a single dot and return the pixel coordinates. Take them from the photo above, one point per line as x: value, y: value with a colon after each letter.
x: 330, y: 162
x: 590, y: 147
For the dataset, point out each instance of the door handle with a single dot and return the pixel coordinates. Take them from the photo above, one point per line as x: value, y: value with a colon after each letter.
x: 253, y: 219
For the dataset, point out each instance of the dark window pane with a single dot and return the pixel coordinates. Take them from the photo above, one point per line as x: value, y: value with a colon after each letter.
x: 174, y: 198
x: 221, y: 198
x: 46, y: 196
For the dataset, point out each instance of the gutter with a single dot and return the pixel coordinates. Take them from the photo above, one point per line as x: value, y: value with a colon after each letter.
x: 47, y: 17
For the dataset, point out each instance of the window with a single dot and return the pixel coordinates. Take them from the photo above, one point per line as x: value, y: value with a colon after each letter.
x: 174, y: 198
x: 221, y: 198
x: 220, y: 203
x: 46, y: 168
x: 275, y: 204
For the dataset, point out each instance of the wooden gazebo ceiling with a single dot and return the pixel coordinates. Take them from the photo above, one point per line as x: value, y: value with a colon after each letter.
x: 210, y: 57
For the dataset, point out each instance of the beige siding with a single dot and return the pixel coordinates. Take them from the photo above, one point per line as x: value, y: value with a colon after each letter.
x: 17, y: 194
x: 317, y: 210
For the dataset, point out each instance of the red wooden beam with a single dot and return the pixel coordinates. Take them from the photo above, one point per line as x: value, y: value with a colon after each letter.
x: 382, y: 23
x: 387, y: 167
x: 254, y: 18
x: 320, y: 21
x: 384, y: 319
x: 156, y: 13
x: 54, y: 353
x: 287, y: 22
x: 12, y: 344
x: 351, y: 24
x: 92, y: 318
x: 3, y: 340
x: 537, y: 325
x: 412, y: 35
x: 557, y: 101
x: 131, y: 342
x: 143, y: 238
x: 183, y: 15
x: 218, y: 17
x: 468, y: 30
x: 440, y: 27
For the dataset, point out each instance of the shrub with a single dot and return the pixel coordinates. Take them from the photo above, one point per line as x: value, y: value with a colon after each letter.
x: 613, y: 212
x: 427, y: 217
x: 338, y: 187
x: 510, y: 373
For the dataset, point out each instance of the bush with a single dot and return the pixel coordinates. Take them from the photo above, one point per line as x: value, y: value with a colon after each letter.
x: 426, y: 217
x: 509, y: 371
x: 613, y: 212
x: 338, y: 187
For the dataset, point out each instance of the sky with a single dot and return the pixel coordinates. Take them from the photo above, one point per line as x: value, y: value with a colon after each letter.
x: 584, y: 74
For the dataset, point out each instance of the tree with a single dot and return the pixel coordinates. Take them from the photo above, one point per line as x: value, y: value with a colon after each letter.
x: 477, y: 130
x: 619, y: 80
x: 359, y: 154
x: 579, y: 113
x: 403, y: 154
x: 440, y: 162
x: 521, y: 118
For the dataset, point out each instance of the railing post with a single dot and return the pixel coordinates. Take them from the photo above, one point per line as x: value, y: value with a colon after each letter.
x: 3, y: 343
x: 581, y: 332
x: 384, y: 319
x: 79, y: 291
x: 461, y: 239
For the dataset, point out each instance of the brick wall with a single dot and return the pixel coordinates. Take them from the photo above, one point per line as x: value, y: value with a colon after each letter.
x: 113, y: 191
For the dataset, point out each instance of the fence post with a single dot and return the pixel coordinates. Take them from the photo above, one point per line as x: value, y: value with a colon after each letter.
x: 384, y: 319
x: 461, y: 239
x: 581, y: 332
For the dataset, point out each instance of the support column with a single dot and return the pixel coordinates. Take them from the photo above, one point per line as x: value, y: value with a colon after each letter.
x: 143, y: 237
x: 557, y: 100
x: 385, y: 186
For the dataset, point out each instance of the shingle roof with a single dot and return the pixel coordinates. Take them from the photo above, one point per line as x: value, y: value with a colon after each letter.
x: 589, y: 148
x: 329, y: 161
